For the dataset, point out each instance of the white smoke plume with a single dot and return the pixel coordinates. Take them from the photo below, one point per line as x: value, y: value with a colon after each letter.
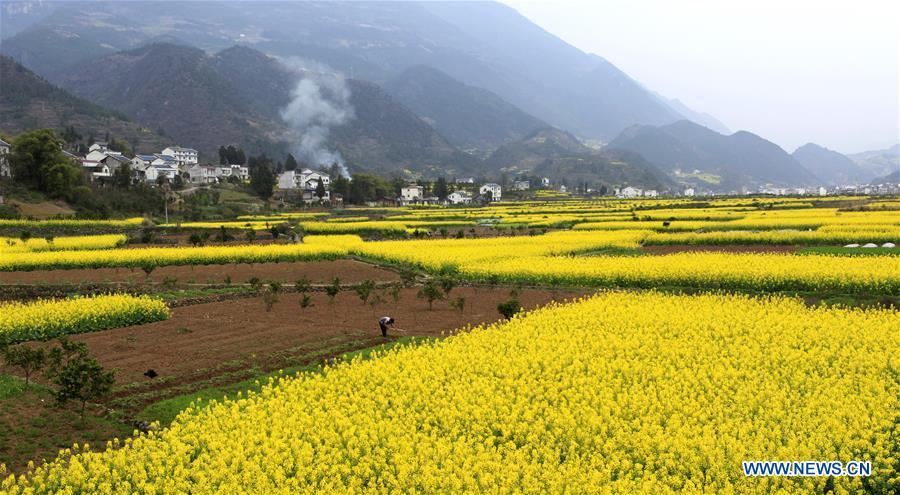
x: 320, y: 101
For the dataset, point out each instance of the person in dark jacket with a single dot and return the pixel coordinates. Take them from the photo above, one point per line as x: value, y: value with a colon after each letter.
x: 384, y: 322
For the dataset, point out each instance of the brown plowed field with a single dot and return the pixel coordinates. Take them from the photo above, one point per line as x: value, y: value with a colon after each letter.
x: 204, y: 341
x: 349, y: 271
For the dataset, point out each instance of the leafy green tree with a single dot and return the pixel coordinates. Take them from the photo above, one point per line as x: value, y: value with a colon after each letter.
x: 262, y: 179
x: 364, y: 290
x: 290, y: 163
x: 367, y: 187
x: 341, y: 185
x: 459, y: 304
x: 123, y: 176
x: 397, y: 183
x: 431, y: 293
x: 70, y: 135
x: 509, y: 308
x: 26, y: 358
x: 333, y: 289
x: 37, y: 161
x: 440, y: 188
x: 77, y: 376
x: 120, y: 145
x: 303, y: 285
x: 320, y: 190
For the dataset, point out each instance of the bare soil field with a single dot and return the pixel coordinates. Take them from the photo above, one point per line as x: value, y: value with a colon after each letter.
x: 207, y: 341
x: 349, y: 271
x: 725, y: 248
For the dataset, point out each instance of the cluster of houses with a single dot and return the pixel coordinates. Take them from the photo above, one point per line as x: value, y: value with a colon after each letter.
x: 414, y: 194
x: 636, y: 192
x: 101, y: 162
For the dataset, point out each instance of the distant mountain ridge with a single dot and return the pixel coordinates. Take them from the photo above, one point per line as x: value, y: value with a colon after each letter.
x: 237, y: 95
x: 694, y: 154
x: 29, y: 102
x: 527, y: 67
x: 878, y: 163
x: 467, y: 116
x: 555, y: 153
x: 832, y: 167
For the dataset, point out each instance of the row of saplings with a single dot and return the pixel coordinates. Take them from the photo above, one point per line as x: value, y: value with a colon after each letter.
x: 73, y: 375
x: 431, y: 291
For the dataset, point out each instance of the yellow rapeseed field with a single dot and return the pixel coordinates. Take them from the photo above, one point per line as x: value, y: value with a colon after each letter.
x: 163, y: 256
x: 755, y: 271
x: 74, y: 243
x: 43, y: 319
x: 623, y: 393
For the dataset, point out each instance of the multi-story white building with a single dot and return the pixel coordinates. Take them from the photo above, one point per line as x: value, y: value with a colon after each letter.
x: 184, y: 157
x: 305, y: 180
x: 223, y: 172
x: 411, y: 193
x: 689, y: 191
x: 5, y: 148
x: 459, y: 198
x: 629, y: 192
x: 521, y: 185
x: 494, y: 189
x: 167, y: 170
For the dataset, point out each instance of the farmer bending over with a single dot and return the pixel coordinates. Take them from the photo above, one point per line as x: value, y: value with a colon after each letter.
x: 384, y: 322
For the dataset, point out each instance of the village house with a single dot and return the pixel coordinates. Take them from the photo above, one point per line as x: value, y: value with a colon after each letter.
x: 521, y: 185
x: 167, y: 170
x: 411, y: 193
x: 465, y: 180
x: 223, y: 172
x: 493, y: 189
x: 306, y: 180
x: 5, y: 148
x: 184, y: 157
x: 203, y: 174
x: 689, y: 191
x: 459, y: 198
x: 651, y: 193
x: 629, y: 192
x: 94, y: 169
x: 100, y: 146
x: 545, y: 182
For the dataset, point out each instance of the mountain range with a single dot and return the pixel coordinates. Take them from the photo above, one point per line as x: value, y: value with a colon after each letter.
x: 430, y: 90
x: 27, y: 101
x: 696, y: 155
x: 832, y: 167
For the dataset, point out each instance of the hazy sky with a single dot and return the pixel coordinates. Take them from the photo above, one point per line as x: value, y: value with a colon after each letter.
x: 793, y: 71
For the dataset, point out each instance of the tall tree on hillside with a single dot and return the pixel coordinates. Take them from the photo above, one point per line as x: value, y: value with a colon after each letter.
x: 290, y: 163
x: 38, y: 162
x: 320, y: 190
x: 440, y: 188
x: 119, y: 145
x: 335, y: 171
x: 367, y: 187
x: 70, y: 135
x: 231, y: 155
x: 262, y: 179
x: 398, y: 183
x: 341, y: 185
